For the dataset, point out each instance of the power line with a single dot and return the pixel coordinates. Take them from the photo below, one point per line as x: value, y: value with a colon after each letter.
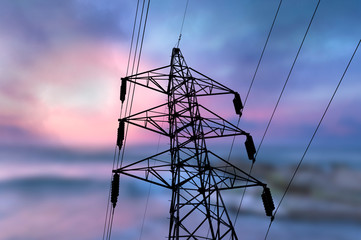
x: 110, y: 212
x: 120, y: 112
x: 245, y: 101
x: 313, y: 135
x: 109, y: 194
x: 137, y: 69
x: 133, y: 92
x: 181, y: 30
x: 141, y: 44
x: 138, y: 35
x: 255, y: 73
x: 131, y: 42
x: 288, y: 77
x: 263, y: 50
x: 135, y: 55
x: 284, y: 86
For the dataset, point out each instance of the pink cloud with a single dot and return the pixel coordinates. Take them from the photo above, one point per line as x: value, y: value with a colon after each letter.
x: 71, y: 94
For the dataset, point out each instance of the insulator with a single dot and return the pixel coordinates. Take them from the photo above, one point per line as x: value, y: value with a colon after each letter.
x: 267, y: 201
x: 251, y: 149
x: 123, y: 89
x: 115, y: 190
x: 237, y: 102
x: 120, y: 133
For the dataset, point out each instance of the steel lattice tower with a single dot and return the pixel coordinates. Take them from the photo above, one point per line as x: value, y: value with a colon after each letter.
x: 198, y: 175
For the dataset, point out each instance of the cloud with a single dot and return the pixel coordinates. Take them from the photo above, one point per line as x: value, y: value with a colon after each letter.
x: 44, y: 22
x: 69, y: 87
x: 15, y: 134
x: 70, y: 93
x: 61, y: 61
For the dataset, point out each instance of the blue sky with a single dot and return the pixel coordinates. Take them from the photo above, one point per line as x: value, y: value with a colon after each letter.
x: 61, y: 62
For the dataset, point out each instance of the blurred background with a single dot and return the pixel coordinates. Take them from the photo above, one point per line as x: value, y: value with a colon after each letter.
x: 60, y: 66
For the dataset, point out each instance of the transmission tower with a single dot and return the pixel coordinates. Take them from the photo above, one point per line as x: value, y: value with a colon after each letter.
x: 195, y: 175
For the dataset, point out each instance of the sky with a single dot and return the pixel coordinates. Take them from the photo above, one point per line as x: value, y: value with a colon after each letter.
x: 60, y: 67
x: 61, y: 63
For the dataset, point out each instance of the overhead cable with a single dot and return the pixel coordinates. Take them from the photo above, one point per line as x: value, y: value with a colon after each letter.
x: 313, y: 136
x: 288, y: 76
x: 263, y: 50
x: 110, y: 211
x: 245, y: 101
x: 137, y: 69
x: 181, y: 30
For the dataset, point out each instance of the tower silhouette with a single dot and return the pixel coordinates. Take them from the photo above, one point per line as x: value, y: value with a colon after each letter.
x: 195, y: 175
